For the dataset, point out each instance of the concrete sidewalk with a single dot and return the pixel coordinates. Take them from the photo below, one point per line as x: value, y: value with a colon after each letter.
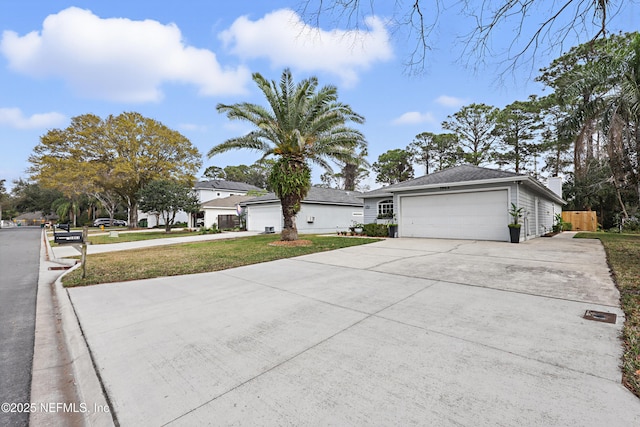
x: 66, y: 251
x: 404, y: 331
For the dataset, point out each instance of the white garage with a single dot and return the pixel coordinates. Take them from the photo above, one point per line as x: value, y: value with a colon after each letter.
x: 324, y: 210
x: 465, y: 202
x: 480, y: 215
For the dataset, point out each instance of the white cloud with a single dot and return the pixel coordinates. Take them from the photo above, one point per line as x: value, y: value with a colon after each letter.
x: 192, y: 127
x: 116, y: 58
x: 14, y: 117
x: 414, y: 117
x: 286, y: 41
x: 451, y: 101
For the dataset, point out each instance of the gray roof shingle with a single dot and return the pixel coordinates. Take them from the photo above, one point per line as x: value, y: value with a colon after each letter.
x: 226, y: 202
x: 219, y: 184
x: 462, y: 173
x: 320, y: 195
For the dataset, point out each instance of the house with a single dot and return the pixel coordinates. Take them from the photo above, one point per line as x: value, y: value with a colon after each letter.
x: 226, y: 206
x: 217, y: 188
x: 34, y: 218
x: 464, y: 202
x: 206, y: 191
x: 324, y: 210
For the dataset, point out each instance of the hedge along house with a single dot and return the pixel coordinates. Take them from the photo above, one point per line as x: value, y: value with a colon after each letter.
x: 324, y: 210
x: 465, y: 202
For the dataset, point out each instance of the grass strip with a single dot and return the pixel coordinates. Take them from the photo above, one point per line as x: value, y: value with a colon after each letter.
x: 623, y: 256
x: 200, y: 257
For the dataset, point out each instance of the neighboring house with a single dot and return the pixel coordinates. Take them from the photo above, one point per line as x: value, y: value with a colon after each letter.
x: 222, y: 206
x: 465, y: 202
x: 206, y: 191
x: 216, y: 188
x: 324, y: 210
x: 34, y: 218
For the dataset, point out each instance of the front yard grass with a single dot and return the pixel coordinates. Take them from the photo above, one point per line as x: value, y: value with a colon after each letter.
x: 199, y: 257
x: 623, y: 255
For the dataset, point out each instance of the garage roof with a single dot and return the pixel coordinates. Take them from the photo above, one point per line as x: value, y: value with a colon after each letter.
x: 461, y: 175
x: 318, y: 195
x: 219, y: 184
x: 226, y: 202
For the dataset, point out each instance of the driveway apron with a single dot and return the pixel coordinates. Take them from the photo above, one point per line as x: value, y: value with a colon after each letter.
x: 404, y: 331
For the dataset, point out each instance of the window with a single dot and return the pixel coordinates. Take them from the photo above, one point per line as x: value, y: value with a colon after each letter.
x: 385, y: 209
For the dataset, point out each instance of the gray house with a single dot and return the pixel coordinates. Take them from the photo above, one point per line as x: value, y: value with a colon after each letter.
x: 324, y: 210
x: 464, y: 202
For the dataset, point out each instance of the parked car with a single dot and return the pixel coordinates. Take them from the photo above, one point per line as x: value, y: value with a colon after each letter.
x: 107, y: 222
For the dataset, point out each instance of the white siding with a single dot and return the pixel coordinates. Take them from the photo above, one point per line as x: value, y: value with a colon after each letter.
x: 312, y: 218
x: 181, y: 216
x: 327, y: 218
x: 211, y: 215
x: 206, y: 194
x: 261, y: 216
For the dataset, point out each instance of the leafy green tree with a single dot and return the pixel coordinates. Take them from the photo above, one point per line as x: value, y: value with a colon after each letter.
x: 393, y: 166
x: 597, y: 85
x: 351, y: 173
x: 166, y: 198
x: 214, y: 172
x: 301, y: 124
x: 120, y: 154
x: 517, y: 126
x: 256, y: 174
x: 32, y: 197
x: 473, y: 125
x: 556, y: 143
x: 436, y: 151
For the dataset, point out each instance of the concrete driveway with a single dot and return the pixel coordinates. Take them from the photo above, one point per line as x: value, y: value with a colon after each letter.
x: 400, y: 332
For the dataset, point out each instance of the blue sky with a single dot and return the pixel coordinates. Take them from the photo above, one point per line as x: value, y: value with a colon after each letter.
x: 174, y: 61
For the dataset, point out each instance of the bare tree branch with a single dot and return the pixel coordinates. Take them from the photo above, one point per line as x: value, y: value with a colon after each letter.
x: 563, y: 22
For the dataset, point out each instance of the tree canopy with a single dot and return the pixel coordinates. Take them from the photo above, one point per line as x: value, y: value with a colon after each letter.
x: 166, y: 198
x: 394, y: 166
x: 119, y: 154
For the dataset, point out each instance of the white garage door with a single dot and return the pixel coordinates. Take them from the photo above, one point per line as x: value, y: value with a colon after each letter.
x: 261, y: 216
x: 481, y: 215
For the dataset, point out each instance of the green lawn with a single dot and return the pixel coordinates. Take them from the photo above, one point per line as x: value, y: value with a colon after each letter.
x: 623, y: 255
x: 200, y: 257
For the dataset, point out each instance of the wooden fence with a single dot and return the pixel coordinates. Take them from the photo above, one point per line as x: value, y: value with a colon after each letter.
x: 581, y: 220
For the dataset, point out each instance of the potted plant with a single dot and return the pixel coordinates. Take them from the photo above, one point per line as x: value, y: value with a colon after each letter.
x: 393, y: 227
x: 514, y: 227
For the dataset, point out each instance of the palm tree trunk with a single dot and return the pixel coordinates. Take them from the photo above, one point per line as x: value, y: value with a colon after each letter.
x: 289, y: 211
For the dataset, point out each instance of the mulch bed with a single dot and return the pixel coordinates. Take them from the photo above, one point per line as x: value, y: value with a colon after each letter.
x: 292, y: 243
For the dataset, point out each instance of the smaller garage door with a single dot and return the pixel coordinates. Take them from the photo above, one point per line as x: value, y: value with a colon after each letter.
x: 261, y: 216
x: 480, y: 215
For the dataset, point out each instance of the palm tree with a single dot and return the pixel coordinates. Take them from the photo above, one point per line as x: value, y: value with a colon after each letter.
x: 301, y: 124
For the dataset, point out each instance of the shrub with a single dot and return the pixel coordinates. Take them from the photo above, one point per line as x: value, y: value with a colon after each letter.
x: 375, y: 230
x: 213, y: 230
x: 632, y: 224
x: 567, y: 226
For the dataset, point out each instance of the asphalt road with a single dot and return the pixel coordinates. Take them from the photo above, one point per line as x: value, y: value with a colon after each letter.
x: 19, y: 261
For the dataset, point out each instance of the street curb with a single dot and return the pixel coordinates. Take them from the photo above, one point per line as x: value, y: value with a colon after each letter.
x: 88, y: 386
